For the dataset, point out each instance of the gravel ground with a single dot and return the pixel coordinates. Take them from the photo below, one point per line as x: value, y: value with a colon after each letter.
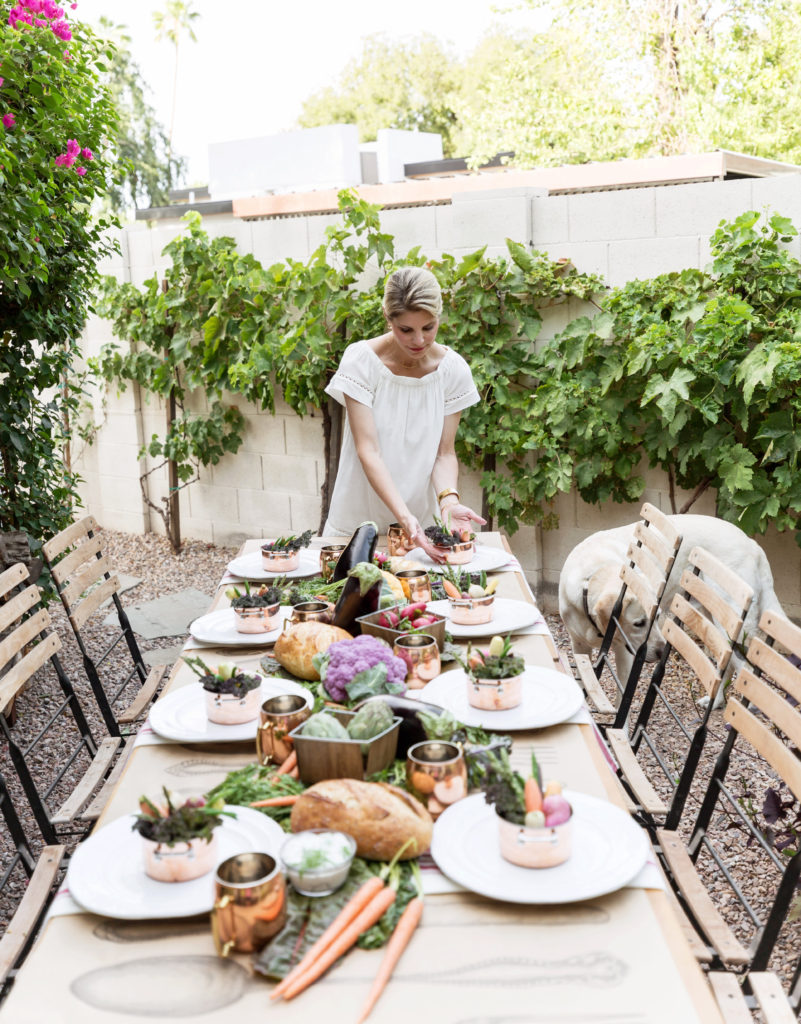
x: 201, y: 565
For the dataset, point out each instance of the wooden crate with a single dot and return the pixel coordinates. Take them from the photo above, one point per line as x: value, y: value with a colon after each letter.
x: 320, y: 758
x: 369, y: 624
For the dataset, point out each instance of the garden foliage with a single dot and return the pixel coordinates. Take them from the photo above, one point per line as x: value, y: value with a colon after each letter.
x: 55, y: 124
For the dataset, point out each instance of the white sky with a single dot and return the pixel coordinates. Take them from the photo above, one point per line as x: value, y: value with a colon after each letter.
x: 255, y: 61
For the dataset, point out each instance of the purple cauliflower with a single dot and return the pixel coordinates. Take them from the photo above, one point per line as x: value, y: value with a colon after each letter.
x: 346, y: 659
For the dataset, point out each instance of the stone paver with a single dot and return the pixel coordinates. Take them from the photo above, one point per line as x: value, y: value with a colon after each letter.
x: 166, y: 616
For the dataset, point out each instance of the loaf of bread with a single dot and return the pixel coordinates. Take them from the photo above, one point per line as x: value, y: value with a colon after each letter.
x: 381, y: 818
x: 296, y: 648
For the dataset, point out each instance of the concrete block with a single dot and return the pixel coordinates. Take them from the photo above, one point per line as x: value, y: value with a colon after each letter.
x: 546, y: 590
x: 197, y: 401
x: 599, y: 216
x: 117, y: 460
x: 527, y: 545
x: 233, y: 534
x: 212, y: 503
x: 118, y: 428
x: 304, y: 512
x: 264, y: 507
x: 316, y: 225
x: 785, y: 563
x: 488, y: 220
x: 304, y: 435
x: 139, y: 243
x: 280, y: 238
x: 411, y: 227
x: 549, y: 220
x: 608, y: 515
x: 554, y: 320
x: 586, y: 257
x: 141, y: 274
x: 292, y: 474
x: 240, y: 470
x: 164, y: 233
x: 264, y: 433
x: 123, y: 494
x: 697, y: 209
x: 779, y: 194
x: 228, y: 226
x: 639, y: 259
x: 117, y: 401
x: 557, y: 545
x: 704, y: 505
x: 116, y: 519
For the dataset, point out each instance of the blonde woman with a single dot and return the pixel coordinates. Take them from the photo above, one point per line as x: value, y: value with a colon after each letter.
x: 403, y: 393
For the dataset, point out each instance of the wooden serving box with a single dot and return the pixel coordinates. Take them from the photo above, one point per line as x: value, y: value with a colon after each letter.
x: 369, y: 624
x: 320, y: 758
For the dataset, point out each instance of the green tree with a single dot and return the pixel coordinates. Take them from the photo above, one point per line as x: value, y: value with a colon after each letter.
x: 176, y: 18
x: 56, y: 159
x: 149, y: 169
x: 406, y: 83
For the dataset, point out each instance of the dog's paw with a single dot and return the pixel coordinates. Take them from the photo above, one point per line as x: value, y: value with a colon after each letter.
x: 720, y: 700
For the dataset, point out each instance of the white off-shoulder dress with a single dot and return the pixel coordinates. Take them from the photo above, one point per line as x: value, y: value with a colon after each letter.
x: 409, y: 413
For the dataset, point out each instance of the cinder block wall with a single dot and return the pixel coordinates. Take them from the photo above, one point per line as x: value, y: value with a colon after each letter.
x: 273, y: 482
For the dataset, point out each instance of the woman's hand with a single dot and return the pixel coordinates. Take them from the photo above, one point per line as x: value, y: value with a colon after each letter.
x: 460, y: 517
x: 415, y: 532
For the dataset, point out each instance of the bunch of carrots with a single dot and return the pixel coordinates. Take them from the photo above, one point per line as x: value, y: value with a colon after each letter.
x: 364, y: 909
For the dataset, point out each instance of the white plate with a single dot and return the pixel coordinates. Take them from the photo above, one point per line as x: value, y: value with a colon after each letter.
x: 181, y: 716
x: 250, y: 567
x: 485, y: 559
x: 609, y: 849
x: 510, y: 615
x: 219, y: 628
x: 107, y: 876
x: 549, y: 697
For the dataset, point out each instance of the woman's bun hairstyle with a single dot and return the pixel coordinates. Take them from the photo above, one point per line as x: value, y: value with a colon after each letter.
x: 412, y: 290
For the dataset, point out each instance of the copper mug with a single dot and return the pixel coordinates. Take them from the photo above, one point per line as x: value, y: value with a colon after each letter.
x: 309, y: 611
x: 436, y: 774
x: 416, y: 584
x: 398, y: 540
x: 329, y: 556
x: 421, y: 654
x: 249, y: 903
x: 277, y: 718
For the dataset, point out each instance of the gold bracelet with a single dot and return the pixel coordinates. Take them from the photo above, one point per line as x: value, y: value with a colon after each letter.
x: 446, y: 494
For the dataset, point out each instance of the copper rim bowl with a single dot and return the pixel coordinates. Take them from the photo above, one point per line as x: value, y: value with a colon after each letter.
x: 228, y: 709
x: 494, y: 694
x: 535, y: 847
x: 471, y: 611
x: 421, y: 654
x: 311, y: 611
x: 280, y: 560
x: 398, y: 541
x: 258, y: 620
x: 416, y: 584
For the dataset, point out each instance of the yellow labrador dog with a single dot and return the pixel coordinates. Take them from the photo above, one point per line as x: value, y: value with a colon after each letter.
x: 596, y: 562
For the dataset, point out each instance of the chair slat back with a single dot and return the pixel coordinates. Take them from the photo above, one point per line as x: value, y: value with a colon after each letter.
x: 658, y: 547
x: 776, y: 665
x: 62, y: 570
x: 651, y: 514
x: 93, y: 601
x: 11, y: 578
x: 83, y: 578
x: 71, y: 535
x: 642, y: 590
x: 683, y: 644
x: 17, y: 606
x: 729, y: 616
x: 18, y: 675
x: 639, y: 557
x: 741, y: 594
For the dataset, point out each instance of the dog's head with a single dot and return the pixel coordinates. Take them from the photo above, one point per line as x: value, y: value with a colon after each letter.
x: 602, y: 593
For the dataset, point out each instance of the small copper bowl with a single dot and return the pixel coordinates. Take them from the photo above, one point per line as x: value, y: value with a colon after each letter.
x: 281, y: 560
x: 416, y: 584
x: 180, y: 862
x: 228, y: 709
x: 436, y: 774
x: 471, y: 611
x: 535, y: 847
x: 421, y: 654
x: 277, y: 718
x: 311, y: 611
x: 329, y: 556
x: 398, y: 540
x: 494, y: 694
x: 249, y: 903
x: 458, y: 554
x: 258, y: 620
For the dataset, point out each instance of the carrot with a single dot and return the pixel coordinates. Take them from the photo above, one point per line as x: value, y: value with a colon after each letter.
x: 358, y: 900
x: 346, y: 938
x: 276, y: 801
x: 294, y: 774
x: 286, y: 766
x: 532, y: 795
x: 404, y: 930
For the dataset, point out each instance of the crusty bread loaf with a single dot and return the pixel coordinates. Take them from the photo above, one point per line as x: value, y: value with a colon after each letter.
x: 296, y: 648
x: 381, y: 818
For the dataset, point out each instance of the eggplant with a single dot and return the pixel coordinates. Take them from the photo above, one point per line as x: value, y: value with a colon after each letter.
x: 411, y: 729
x: 361, y: 548
x: 361, y: 595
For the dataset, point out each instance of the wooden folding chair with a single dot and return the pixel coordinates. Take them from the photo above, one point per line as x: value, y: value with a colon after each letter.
x: 765, y: 722
x: 765, y: 994
x: 27, y: 880
x: 705, y: 619
x: 85, y: 580
x: 27, y: 647
x: 651, y: 557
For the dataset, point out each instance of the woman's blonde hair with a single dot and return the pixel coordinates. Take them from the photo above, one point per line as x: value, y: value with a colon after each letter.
x: 412, y: 290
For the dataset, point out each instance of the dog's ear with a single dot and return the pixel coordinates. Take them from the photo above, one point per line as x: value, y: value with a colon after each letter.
x: 602, y: 591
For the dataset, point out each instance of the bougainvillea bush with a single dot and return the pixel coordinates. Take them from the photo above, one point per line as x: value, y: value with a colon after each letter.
x: 56, y: 121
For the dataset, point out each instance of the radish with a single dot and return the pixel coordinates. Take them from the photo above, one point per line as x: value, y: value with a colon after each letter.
x: 556, y: 809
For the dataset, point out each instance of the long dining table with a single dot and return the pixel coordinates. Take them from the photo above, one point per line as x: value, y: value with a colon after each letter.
x: 621, y: 958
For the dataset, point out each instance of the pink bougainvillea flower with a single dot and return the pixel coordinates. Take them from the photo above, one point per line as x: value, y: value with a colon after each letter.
x: 73, y: 147
x: 74, y: 7
x: 1, y: 81
x: 87, y: 154
x: 80, y: 170
x: 40, y: 22
x: 9, y: 120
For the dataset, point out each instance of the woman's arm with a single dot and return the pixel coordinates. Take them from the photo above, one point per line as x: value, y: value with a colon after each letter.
x: 445, y: 477
x: 362, y: 427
